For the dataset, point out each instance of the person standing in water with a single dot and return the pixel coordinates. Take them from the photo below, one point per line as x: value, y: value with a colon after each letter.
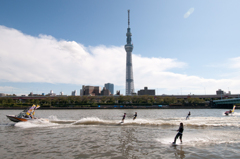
x: 179, y: 134
x: 123, y: 117
x: 135, y: 116
x: 188, y: 115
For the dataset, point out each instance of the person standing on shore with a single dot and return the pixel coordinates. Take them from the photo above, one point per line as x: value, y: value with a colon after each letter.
x: 135, y: 116
x: 123, y: 118
x: 188, y: 115
x: 179, y: 134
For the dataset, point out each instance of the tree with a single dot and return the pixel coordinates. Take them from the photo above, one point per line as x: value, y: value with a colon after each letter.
x: 111, y: 100
x: 170, y: 100
x: 159, y: 100
x: 104, y: 99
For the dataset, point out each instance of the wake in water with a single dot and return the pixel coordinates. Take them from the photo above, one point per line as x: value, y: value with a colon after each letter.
x: 202, y: 137
x: 35, y: 123
x: 230, y: 121
x: 194, y: 121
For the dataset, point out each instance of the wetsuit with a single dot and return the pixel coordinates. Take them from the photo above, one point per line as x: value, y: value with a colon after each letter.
x: 179, y: 134
x: 135, y: 116
x: 123, y: 117
x: 188, y: 115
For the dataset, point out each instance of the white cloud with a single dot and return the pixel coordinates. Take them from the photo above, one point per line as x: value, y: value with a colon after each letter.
x: 44, y: 59
x: 26, y: 58
x: 189, y: 12
x: 234, y: 62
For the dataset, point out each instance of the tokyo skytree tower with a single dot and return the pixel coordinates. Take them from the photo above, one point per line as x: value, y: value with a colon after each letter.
x: 129, y: 70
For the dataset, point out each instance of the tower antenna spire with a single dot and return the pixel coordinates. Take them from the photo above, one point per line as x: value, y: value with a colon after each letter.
x: 129, y: 67
x: 128, y: 18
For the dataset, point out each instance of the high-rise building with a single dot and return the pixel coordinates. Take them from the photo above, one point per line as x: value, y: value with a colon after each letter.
x: 105, y: 92
x: 110, y: 87
x: 90, y: 90
x: 129, y: 70
x: 74, y: 93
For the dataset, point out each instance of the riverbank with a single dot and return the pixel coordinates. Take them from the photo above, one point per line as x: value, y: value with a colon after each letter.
x: 115, y: 107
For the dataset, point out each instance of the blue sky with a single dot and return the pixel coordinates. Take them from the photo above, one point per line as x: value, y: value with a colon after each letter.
x: 180, y: 47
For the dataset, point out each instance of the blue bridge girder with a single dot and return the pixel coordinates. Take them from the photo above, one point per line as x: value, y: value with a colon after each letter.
x: 226, y: 101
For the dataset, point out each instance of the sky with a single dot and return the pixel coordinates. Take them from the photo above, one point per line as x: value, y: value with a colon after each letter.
x: 180, y: 47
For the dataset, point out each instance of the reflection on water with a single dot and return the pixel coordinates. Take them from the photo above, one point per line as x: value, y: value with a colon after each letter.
x: 179, y: 152
x: 127, y: 139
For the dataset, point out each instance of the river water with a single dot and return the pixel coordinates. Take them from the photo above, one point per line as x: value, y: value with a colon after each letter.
x: 97, y: 133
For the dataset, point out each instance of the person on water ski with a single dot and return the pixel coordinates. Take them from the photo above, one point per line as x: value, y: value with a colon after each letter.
x: 135, y: 116
x: 123, y: 117
x: 188, y: 115
x: 179, y: 134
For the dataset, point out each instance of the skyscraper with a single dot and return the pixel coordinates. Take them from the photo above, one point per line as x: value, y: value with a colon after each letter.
x: 74, y: 93
x: 129, y: 70
x: 110, y: 87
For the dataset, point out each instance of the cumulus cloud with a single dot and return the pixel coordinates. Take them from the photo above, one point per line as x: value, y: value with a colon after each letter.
x: 44, y: 59
x: 189, y: 12
x: 26, y: 58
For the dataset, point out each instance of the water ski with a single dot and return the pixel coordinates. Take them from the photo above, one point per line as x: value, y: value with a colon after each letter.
x: 174, y: 144
x: 226, y: 113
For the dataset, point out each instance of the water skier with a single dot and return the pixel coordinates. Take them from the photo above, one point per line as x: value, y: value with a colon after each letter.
x: 188, y: 115
x: 179, y: 134
x: 135, y: 116
x: 123, y: 117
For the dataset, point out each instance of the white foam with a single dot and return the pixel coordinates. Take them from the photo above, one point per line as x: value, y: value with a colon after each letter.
x: 35, y: 123
x: 53, y: 118
x: 236, y: 114
x: 199, y: 138
x: 228, y: 121
x: 194, y: 121
x: 90, y: 120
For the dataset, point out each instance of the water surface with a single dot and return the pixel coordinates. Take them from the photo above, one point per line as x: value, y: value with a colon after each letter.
x: 97, y: 133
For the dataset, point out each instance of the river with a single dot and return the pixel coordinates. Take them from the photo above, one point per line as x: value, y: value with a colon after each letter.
x: 96, y: 133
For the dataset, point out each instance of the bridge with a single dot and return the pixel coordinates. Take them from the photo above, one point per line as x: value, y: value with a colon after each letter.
x: 225, y: 103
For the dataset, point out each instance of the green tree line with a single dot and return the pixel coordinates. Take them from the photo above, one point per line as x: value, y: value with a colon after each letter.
x: 94, y: 101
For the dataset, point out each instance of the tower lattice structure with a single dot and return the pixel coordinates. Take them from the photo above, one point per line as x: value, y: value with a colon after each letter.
x: 129, y: 70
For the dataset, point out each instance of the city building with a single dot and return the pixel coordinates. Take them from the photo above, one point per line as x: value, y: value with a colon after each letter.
x: 105, y: 92
x: 118, y: 92
x: 146, y: 91
x: 51, y: 93
x: 2, y: 94
x: 129, y: 69
x: 81, y: 92
x: 110, y: 87
x: 74, y: 93
x: 90, y: 90
x: 219, y: 92
x: 31, y: 94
